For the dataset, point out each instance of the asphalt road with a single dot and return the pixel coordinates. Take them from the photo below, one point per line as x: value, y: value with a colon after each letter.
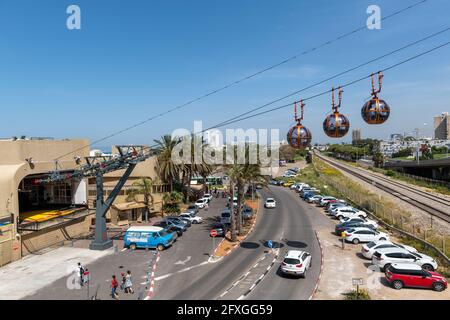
x: 289, y: 226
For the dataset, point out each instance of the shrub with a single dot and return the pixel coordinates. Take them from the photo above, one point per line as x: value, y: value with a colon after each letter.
x: 390, y: 173
x: 361, y: 295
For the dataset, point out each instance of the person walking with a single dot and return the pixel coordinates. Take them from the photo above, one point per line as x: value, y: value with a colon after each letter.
x: 80, y: 271
x: 86, y: 276
x: 122, y: 284
x: 114, y: 285
x: 128, y: 283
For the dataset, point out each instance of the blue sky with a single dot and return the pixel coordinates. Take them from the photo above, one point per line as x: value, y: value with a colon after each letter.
x: 133, y: 59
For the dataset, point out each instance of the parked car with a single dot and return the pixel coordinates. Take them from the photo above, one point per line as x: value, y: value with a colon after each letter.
x: 346, y: 226
x: 296, y: 262
x: 247, y: 213
x: 192, y: 218
x: 373, y: 223
x: 192, y: 209
x: 208, y: 197
x: 349, y: 212
x: 369, y: 249
x: 386, y: 257
x: 201, y: 203
x: 179, y: 220
x: 220, y: 228
x: 314, y: 198
x: 332, y: 205
x: 179, y: 228
x: 225, y: 216
x: 326, y: 200
x: 148, y: 237
x: 270, y: 203
x: 364, y: 234
x: 401, y: 275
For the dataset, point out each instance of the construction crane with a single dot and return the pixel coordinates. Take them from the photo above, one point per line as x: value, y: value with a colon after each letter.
x: 96, y: 166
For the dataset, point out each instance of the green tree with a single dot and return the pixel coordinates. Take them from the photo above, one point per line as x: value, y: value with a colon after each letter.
x: 167, y: 170
x: 171, y: 202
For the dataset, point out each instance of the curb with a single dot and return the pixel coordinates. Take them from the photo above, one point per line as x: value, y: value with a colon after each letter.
x: 151, y: 290
x: 321, y: 268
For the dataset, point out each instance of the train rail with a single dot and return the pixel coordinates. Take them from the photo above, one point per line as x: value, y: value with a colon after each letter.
x: 433, y: 211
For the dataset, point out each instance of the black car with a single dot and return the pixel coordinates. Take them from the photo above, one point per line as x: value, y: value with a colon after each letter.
x: 221, y: 229
x: 341, y: 227
x: 179, y: 220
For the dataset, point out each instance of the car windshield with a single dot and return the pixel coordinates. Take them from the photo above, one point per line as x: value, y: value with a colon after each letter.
x: 371, y: 244
x: 291, y: 261
x: 163, y: 233
x: 191, y: 207
x: 270, y: 200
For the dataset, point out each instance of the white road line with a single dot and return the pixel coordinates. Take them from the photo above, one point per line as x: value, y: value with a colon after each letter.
x: 180, y: 271
x: 124, y: 249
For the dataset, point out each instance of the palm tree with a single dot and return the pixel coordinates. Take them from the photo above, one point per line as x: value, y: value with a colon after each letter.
x: 167, y: 170
x: 142, y: 186
x: 171, y: 202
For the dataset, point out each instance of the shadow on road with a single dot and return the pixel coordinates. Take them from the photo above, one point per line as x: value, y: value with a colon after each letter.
x: 296, y: 244
x: 249, y: 245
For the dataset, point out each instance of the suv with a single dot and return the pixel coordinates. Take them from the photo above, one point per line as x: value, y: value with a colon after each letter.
x: 296, y: 263
x: 340, y: 213
x: 388, y: 257
x: 369, y: 249
x: 401, y: 275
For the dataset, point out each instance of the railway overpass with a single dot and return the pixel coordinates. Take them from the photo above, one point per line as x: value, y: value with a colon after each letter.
x: 433, y: 169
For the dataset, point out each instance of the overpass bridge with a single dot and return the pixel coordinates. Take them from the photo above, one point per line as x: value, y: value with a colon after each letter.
x: 438, y: 169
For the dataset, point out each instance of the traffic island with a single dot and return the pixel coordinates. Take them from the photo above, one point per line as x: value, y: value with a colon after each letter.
x: 226, y: 246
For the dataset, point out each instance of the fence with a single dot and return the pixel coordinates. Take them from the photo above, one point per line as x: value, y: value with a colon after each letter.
x: 427, y: 180
x: 394, y: 220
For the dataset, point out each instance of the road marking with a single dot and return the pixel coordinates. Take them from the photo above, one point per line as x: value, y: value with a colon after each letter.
x: 184, y: 261
x: 124, y: 249
x: 180, y: 271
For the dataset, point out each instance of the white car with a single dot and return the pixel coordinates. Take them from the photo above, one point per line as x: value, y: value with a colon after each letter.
x: 207, y: 196
x: 387, y: 257
x: 315, y: 199
x: 363, y: 234
x: 296, y: 263
x: 369, y: 249
x: 325, y: 201
x: 192, y: 218
x: 270, y: 203
x: 201, y: 203
x: 347, y: 212
x: 373, y: 223
x: 303, y: 186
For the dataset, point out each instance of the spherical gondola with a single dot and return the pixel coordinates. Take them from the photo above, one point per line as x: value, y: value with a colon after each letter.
x: 376, y: 111
x: 299, y: 137
x: 336, y: 125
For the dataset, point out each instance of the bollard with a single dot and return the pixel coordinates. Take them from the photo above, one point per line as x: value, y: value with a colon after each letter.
x: 116, y: 248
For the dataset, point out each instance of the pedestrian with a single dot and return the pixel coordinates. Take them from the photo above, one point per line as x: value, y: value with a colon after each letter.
x: 80, y: 271
x: 86, y: 276
x: 122, y: 284
x: 128, y: 283
x: 114, y: 286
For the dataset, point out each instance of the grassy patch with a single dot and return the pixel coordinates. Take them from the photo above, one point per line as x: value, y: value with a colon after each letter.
x: 362, y: 294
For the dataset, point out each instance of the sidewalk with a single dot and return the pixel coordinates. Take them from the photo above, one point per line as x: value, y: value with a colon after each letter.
x: 340, y: 266
x: 28, y: 275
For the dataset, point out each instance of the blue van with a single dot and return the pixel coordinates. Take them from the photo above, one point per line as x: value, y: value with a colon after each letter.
x: 148, y: 237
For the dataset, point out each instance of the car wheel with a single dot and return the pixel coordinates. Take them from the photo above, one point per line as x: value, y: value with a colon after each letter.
x: 160, y: 247
x: 383, y: 239
x: 362, y: 217
x: 437, y: 286
x: 339, y: 217
x: 195, y: 222
x: 132, y: 246
x: 428, y: 267
x: 397, y: 284
x: 304, y: 274
x: 355, y: 241
x: 386, y: 266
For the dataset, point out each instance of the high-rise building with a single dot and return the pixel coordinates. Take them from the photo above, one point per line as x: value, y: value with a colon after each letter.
x: 442, y: 126
x: 356, y: 135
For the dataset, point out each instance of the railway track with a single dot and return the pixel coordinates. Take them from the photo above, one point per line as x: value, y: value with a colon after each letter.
x: 435, y: 212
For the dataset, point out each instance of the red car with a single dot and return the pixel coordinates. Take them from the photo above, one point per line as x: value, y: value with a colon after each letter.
x: 401, y: 275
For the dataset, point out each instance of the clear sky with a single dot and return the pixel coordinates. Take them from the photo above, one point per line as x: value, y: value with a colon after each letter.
x: 134, y: 59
